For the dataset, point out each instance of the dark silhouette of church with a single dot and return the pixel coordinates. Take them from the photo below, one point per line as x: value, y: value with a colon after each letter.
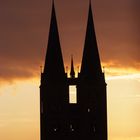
x: 85, y: 116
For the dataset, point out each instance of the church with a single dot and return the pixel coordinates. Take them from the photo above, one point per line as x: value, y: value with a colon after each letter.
x: 84, y: 115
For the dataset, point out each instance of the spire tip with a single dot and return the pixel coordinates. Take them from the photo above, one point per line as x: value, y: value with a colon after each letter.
x: 72, y: 72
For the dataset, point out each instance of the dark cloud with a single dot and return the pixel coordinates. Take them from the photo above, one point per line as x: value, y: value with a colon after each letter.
x: 24, y: 27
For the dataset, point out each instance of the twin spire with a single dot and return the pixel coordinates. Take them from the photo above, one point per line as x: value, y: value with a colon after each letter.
x: 54, y: 66
x: 90, y: 66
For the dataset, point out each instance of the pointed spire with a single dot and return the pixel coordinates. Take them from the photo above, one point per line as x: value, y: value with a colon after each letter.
x: 90, y: 66
x: 72, y: 73
x: 89, y: 2
x: 54, y: 66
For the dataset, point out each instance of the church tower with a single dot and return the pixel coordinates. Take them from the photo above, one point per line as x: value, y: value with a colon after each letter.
x: 73, y: 108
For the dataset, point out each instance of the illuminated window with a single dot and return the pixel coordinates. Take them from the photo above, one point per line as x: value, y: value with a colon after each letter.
x: 72, y: 94
x: 88, y: 109
x: 71, y: 128
x: 55, y: 129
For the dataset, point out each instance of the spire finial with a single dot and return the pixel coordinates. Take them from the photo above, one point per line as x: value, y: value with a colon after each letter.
x: 90, y: 2
x: 53, y: 4
x: 90, y: 5
x: 72, y: 73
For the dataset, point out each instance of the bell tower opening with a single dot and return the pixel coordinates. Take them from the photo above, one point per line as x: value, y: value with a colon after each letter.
x: 72, y: 94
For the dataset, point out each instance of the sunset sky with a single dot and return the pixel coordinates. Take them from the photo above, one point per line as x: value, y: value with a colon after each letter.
x: 24, y: 27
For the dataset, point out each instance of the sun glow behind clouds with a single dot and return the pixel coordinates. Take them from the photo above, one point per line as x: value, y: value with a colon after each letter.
x: 123, y: 107
x: 19, y: 105
x: 129, y: 76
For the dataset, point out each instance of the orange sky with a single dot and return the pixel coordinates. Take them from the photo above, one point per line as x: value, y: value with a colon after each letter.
x: 24, y: 30
x: 19, y: 106
x: 24, y: 27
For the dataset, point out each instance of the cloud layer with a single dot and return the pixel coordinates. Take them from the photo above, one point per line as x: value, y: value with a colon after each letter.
x: 24, y: 30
